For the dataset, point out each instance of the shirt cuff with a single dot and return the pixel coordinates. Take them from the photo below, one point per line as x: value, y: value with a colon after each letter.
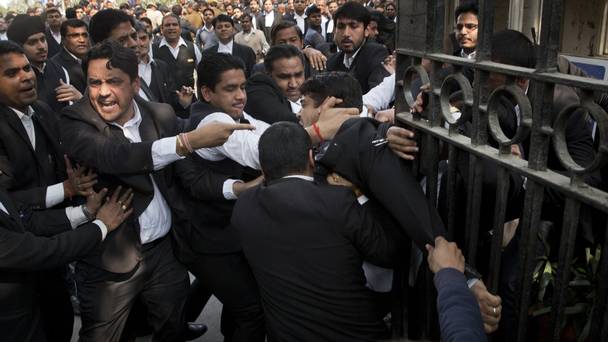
x: 76, y: 216
x: 227, y: 189
x: 471, y: 282
x: 54, y: 195
x: 163, y: 152
x: 103, y: 228
x: 362, y: 199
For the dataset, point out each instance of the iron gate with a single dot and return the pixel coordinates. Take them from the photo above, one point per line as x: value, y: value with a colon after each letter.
x: 421, y: 35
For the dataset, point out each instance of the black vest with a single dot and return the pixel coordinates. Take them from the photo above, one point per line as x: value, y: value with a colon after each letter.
x: 214, y: 216
x: 183, y: 67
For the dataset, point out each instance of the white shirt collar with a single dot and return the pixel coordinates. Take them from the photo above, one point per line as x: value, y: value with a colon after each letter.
x: 20, y: 114
x: 348, y: 61
x: 134, y: 121
x: 468, y: 55
x: 181, y: 42
x: 221, y: 48
x: 306, y: 178
x: 296, y: 15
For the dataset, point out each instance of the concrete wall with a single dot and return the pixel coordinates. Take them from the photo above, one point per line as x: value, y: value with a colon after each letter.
x: 582, y: 27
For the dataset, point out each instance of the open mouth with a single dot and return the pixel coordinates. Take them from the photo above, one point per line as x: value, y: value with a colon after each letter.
x: 107, y: 105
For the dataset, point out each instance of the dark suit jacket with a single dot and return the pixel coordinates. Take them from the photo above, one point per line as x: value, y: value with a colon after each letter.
x: 53, y: 46
x: 103, y: 147
x: 244, y: 52
x: 44, y: 240
x: 266, y: 102
x: 23, y: 172
x: 383, y: 177
x: 163, y: 87
x: 306, y: 243
x: 367, y: 66
x: 73, y: 67
x: 261, y: 19
x: 290, y: 17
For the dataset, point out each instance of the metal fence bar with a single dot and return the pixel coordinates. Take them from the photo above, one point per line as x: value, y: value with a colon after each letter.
x: 566, y: 251
x: 502, y: 190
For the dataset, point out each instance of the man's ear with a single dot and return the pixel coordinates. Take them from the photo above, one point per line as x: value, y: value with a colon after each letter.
x: 136, y: 85
x: 206, y: 93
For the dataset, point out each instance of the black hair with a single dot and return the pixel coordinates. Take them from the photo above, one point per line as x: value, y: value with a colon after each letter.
x: 279, y: 159
x: 223, y: 18
x: 70, y: 13
x: 211, y: 67
x: 169, y: 15
x: 208, y: 9
x: 117, y: 55
x: 177, y: 10
x: 513, y: 48
x: 139, y: 27
x: 246, y: 15
x: 147, y: 20
x: 354, y: 11
x: 466, y: 7
x: 337, y: 84
x: 282, y: 26
x: 73, y: 23
x: 104, y: 21
x: 124, y: 6
x: 312, y: 10
x: 279, y: 52
x: 8, y: 46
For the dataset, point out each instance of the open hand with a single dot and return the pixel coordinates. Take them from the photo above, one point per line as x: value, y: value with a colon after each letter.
x: 489, y: 305
x: 402, y: 142
x: 79, y: 182
x: 214, y: 134
x: 116, y: 209
x: 316, y: 58
x: 67, y: 92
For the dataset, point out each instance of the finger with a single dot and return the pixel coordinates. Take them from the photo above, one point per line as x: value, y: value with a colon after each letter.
x: 87, y: 185
x: 240, y: 126
x: 493, y: 301
x: 329, y: 102
x: 125, y: 195
x: 402, y: 132
x: 429, y: 248
x: 404, y: 155
x: 115, y: 194
x: 128, y: 201
x: 439, y: 240
x: 102, y: 193
x: 68, y: 163
x: 401, y: 141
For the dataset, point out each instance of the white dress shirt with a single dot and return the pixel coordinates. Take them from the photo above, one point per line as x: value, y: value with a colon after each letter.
x: 155, y: 221
x: 242, y: 146
x: 269, y: 19
x: 295, y: 106
x: 348, y: 61
x: 324, y: 29
x: 175, y: 50
x: 57, y: 36
x: 300, y: 21
x: 225, y: 48
x: 144, y: 70
x: 380, y: 96
x: 3, y: 36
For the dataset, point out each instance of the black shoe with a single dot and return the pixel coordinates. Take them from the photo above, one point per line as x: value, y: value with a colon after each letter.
x: 195, y: 330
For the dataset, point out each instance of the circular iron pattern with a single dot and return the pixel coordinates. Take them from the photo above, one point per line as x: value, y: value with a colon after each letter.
x: 525, y: 114
x: 467, y: 97
x: 407, y: 82
x: 560, y: 143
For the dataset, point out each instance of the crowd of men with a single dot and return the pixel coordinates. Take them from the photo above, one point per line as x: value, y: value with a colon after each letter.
x: 247, y: 143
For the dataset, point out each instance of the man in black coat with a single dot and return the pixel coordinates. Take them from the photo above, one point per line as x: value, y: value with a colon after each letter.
x: 359, y: 57
x: 224, y: 29
x: 53, y: 19
x: 51, y: 79
x: 34, y: 241
x: 75, y: 45
x: 132, y: 142
x: 32, y: 168
x: 274, y: 95
x: 306, y: 243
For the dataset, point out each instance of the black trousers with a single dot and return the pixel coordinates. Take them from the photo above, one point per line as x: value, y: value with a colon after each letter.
x: 229, y: 278
x: 56, y: 313
x: 106, y: 298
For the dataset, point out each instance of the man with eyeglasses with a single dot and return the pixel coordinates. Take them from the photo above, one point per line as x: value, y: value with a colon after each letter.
x: 466, y: 29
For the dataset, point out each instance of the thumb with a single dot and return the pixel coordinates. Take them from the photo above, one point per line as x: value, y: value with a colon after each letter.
x: 429, y: 248
x: 329, y: 102
x: 61, y: 82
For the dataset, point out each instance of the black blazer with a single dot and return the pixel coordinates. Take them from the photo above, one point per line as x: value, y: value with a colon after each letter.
x: 266, y: 102
x: 305, y: 244
x: 163, y: 87
x: 290, y: 17
x: 53, y: 46
x: 382, y: 176
x: 31, y: 241
x: 366, y: 67
x: 97, y: 144
x: 244, y: 52
x: 74, y: 68
x: 23, y: 172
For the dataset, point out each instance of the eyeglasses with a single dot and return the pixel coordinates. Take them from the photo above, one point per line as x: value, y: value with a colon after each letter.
x: 469, y: 27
